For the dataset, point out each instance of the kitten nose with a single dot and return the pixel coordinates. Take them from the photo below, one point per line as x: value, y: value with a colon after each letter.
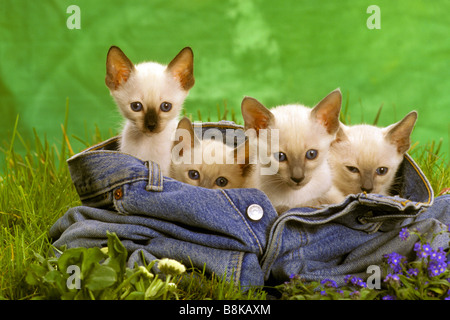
x: 367, y: 183
x: 151, y: 126
x: 151, y: 120
x: 366, y: 190
x: 297, y: 180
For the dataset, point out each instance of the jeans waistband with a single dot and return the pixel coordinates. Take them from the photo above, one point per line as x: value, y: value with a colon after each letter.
x: 101, y: 168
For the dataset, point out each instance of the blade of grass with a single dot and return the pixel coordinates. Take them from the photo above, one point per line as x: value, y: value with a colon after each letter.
x: 63, y: 144
x: 377, y: 117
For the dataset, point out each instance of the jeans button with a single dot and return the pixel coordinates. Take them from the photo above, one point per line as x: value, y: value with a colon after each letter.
x: 255, y: 212
x: 118, y: 193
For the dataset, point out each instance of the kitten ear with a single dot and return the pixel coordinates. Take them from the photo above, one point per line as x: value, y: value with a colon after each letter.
x: 182, y: 68
x: 399, y: 133
x: 255, y: 115
x: 118, y: 68
x: 187, y: 137
x: 326, y: 112
x: 340, y: 135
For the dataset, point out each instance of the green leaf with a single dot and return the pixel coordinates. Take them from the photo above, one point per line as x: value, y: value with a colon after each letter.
x: 53, y: 276
x: 69, y: 295
x: 155, y: 289
x: 71, y: 256
x: 136, y: 295
x: 31, y: 279
x: 117, y: 255
x: 91, y: 258
x: 38, y: 270
x: 100, y: 278
x: 439, y: 291
x: 40, y: 258
x: 369, y: 294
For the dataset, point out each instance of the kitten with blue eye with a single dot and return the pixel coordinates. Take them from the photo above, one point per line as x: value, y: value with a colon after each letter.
x: 365, y: 158
x: 150, y: 97
x: 216, y: 164
x: 305, y: 134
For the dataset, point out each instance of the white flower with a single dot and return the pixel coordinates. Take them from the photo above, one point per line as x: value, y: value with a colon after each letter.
x: 171, y: 286
x: 171, y: 267
x: 145, y: 272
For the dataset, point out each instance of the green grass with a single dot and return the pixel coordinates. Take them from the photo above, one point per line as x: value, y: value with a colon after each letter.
x: 36, y: 189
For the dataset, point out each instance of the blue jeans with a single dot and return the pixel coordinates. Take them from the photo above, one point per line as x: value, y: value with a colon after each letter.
x: 156, y: 217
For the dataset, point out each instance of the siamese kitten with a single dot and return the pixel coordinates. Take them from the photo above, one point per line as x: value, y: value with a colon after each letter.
x: 150, y: 97
x: 365, y: 158
x: 216, y: 165
x: 305, y: 135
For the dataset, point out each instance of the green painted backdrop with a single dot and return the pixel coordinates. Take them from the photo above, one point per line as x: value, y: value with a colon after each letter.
x: 276, y: 51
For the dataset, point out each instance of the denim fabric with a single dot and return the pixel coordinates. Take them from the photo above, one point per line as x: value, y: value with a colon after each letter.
x: 156, y: 217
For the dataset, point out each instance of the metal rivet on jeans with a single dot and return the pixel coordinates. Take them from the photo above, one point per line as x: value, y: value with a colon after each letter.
x: 255, y: 212
x: 118, y: 194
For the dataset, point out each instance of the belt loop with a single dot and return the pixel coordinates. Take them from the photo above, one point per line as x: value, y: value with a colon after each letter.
x: 155, y: 177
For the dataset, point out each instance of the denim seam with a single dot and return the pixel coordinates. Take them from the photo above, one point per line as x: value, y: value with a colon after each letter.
x: 306, y: 217
x: 235, y: 267
x: 382, y: 218
x: 244, y: 220
x: 373, y: 227
x: 425, y: 181
x: 296, y: 254
x: 399, y: 204
x: 277, y: 248
x: 239, y: 268
x: 225, y: 125
x: 272, y: 254
x: 111, y: 187
x: 118, y: 205
x: 154, y: 171
x: 97, y: 146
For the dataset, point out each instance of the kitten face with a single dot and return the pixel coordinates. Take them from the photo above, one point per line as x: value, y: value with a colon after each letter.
x: 305, y: 136
x: 303, y: 147
x: 149, y: 94
x: 211, y: 176
x: 365, y: 158
x: 216, y: 165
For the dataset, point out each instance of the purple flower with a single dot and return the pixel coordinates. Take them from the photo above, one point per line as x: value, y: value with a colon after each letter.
x: 329, y: 283
x: 355, y: 281
x: 413, y: 272
x: 395, y: 261
x: 392, y: 277
x: 294, y: 276
x: 438, y: 255
x: 422, y: 251
x: 389, y: 297
x: 404, y: 234
x: 436, y: 268
x: 437, y: 263
x: 448, y: 295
